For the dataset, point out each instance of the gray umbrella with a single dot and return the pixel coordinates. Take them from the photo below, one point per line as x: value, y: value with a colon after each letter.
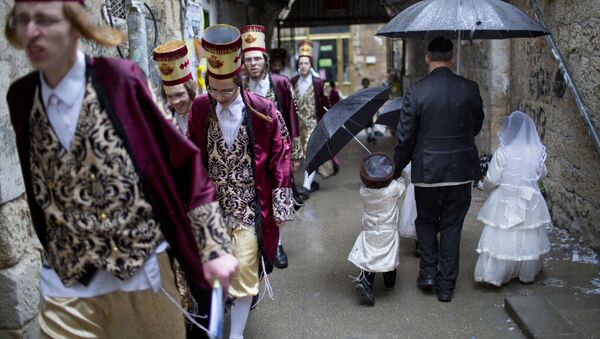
x: 389, y: 113
x: 462, y: 19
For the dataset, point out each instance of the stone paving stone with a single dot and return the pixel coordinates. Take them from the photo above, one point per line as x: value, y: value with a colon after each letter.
x: 537, y: 318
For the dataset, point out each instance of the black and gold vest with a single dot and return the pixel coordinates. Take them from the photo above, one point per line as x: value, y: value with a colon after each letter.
x: 231, y: 171
x: 91, y: 195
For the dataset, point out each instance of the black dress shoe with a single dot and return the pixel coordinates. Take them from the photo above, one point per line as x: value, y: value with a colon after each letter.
x: 425, y: 283
x: 254, y: 302
x: 444, y: 295
x: 281, y: 260
x: 304, y: 193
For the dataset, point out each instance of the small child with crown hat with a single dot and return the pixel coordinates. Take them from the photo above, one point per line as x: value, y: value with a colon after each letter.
x: 376, y: 247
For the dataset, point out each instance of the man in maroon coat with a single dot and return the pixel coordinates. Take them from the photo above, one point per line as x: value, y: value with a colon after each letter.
x: 110, y: 184
x: 310, y: 98
x: 247, y: 160
x: 278, y: 89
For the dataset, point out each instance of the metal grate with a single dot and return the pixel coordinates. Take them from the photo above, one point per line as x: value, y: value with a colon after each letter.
x: 118, y: 8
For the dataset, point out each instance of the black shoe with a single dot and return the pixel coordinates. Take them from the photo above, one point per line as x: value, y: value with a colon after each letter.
x: 298, y: 203
x: 281, y: 260
x: 444, y: 295
x: 417, y: 251
x: 389, y: 279
x: 304, y: 193
x: 425, y: 283
x: 254, y: 302
x: 365, y: 289
x: 314, y: 186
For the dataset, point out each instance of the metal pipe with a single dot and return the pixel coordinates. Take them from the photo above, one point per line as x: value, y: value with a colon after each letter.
x: 583, y: 109
x: 136, y: 28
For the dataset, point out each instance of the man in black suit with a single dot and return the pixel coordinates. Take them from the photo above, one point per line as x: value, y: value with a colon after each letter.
x: 440, y: 117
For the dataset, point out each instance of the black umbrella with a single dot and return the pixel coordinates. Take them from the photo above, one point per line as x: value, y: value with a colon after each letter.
x: 389, y: 113
x: 341, y: 123
x: 462, y: 19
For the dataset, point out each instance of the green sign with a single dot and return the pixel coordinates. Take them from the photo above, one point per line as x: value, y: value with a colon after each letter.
x: 326, y: 48
x: 325, y: 63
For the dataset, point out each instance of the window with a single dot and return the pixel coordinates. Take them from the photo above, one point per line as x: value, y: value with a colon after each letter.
x: 118, y: 8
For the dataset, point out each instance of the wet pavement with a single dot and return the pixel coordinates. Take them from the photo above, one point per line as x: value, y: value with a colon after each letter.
x: 315, y: 296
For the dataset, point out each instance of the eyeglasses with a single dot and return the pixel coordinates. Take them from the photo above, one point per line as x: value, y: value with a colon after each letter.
x: 223, y: 92
x: 40, y: 21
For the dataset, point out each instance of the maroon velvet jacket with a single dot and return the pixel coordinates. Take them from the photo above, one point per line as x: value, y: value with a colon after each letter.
x: 170, y: 167
x: 272, y: 166
x: 285, y: 103
x: 320, y: 98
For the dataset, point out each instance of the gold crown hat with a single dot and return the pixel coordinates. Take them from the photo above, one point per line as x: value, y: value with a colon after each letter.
x: 223, y: 46
x: 253, y: 39
x: 305, y: 48
x: 173, y: 62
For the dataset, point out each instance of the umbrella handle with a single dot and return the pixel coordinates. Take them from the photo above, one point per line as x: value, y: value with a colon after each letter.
x: 355, y: 138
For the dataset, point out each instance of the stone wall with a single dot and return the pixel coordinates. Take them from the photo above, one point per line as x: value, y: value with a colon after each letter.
x: 366, y: 46
x: 537, y: 88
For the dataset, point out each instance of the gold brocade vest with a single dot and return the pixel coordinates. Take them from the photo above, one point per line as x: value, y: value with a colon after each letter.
x: 305, y: 107
x: 231, y: 171
x: 91, y: 195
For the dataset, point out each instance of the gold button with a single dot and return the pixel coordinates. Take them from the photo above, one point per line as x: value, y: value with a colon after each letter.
x: 51, y: 185
x: 103, y: 216
x: 115, y: 248
x: 92, y: 177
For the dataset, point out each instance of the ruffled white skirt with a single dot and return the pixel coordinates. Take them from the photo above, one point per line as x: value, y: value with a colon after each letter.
x: 508, y: 254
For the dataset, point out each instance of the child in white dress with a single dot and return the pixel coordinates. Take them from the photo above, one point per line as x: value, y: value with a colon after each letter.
x: 515, y: 214
x: 377, y: 246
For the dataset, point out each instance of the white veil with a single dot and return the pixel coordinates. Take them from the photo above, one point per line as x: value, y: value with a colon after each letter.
x: 524, y: 166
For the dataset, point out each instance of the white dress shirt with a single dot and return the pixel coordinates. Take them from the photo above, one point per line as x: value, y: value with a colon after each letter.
x: 260, y: 87
x: 230, y: 119
x: 63, y: 103
x: 304, y: 83
x: 63, y: 106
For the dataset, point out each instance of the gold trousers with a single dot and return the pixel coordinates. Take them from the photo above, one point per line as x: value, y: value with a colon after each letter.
x: 140, y: 314
x: 245, y: 249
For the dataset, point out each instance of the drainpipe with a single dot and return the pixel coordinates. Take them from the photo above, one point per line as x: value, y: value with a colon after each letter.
x: 136, y: 28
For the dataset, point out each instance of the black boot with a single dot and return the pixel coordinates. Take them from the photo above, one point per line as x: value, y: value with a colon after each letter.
x: 417, y: 251
x: 297, y: 199
x: 389, y: 279
x: 364, y: 286
x: 281, y: 260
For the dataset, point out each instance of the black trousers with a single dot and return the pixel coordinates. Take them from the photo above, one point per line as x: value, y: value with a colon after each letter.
x: 441, y: 210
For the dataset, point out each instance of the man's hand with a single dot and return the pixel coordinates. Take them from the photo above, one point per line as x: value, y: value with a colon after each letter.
x: 279, y: 223
x: 295, y: 165
x: 221, y: 269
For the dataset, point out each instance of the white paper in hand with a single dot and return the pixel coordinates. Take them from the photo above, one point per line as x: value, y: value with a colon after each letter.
x: 217, y: 308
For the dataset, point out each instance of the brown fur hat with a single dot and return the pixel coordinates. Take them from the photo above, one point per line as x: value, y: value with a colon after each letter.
x: 377, y: 170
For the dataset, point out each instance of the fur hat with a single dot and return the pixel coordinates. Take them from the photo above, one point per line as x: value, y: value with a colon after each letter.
x: 377, y: 170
